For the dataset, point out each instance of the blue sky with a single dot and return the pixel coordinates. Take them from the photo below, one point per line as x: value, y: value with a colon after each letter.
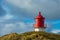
x: 18, y: 15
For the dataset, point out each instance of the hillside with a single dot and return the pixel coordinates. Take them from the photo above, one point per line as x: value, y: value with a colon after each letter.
x: 31, y: 36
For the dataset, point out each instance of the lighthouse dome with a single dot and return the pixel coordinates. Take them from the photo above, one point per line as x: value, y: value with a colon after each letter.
x: 39, y: 16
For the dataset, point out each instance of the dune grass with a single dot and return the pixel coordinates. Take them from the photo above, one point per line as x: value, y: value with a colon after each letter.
x: 31, y: 36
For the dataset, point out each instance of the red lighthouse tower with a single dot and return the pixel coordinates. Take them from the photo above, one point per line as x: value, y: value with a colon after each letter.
x: 39, y: 23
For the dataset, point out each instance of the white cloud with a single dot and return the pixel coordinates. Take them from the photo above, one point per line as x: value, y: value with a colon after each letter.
x: 47, y: 7
x: 48, y: 27
x: 55, y: 31
x: 6, y: 17
x: 7, y: 29
x: 21, y: 3
x: 16, y: 27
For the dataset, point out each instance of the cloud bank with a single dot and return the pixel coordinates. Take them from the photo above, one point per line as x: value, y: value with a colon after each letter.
x: 18, y: 15
x: 49, y: 8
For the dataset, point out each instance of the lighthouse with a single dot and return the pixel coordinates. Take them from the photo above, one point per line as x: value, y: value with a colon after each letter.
x: 39, y: 23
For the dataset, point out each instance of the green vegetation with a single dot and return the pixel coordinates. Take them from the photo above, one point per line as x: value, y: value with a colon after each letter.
x: 31, y: 36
